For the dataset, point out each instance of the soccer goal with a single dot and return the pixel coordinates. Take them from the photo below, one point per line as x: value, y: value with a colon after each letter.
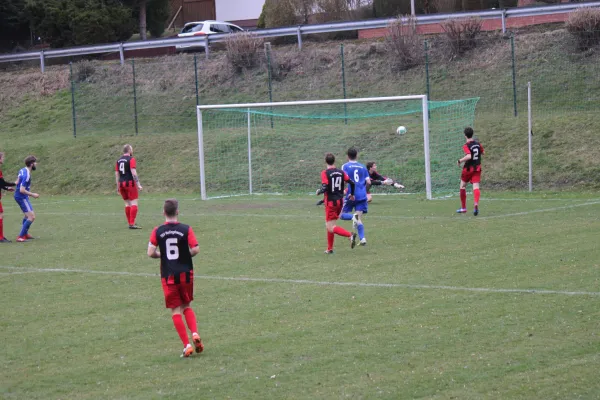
x: 268, y: 148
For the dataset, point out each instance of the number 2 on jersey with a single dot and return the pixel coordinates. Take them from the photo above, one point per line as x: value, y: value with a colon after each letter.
x: 475, y: 151
x: 172, y: 249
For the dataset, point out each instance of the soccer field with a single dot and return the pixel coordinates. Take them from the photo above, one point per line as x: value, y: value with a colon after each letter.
x: 505, y: 305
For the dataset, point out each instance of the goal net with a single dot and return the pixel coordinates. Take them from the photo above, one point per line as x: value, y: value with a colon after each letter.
x: 280, y: 148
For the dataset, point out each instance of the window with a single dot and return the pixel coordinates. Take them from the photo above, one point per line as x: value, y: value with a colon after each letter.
x: 191, y: 28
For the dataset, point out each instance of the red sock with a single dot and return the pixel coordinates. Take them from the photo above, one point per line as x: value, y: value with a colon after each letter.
x: 180, y: 328
x: 190, y: 319
x: 463, y: 198
x: 338, y: 230
x: 476, y: 196
x: 1, y: 228
x: 133, y: 214
x: 330, y: 240
x: 128, y: 214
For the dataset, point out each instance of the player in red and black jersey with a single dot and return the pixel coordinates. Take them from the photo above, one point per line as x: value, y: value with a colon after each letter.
x: 3, y: 186
x: 332, y: 185
x: 378, y: 179
x: 471, y: 172
x: 128, y: 184
x: 175, y: 244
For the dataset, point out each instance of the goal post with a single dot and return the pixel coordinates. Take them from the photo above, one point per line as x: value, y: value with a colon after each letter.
x: 261, y: 148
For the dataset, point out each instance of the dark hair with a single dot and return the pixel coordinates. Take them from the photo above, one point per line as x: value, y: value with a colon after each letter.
x: 127, y: 148
x: 370, y: 164
x: 352, y: 153
x: 329, y: 158
x: 469, y: 132
x: 30, y: 160
x: 171, y: 206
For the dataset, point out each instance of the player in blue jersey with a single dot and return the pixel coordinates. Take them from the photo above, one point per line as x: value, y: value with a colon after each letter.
x: 22, y: 193
x: 360, y: 175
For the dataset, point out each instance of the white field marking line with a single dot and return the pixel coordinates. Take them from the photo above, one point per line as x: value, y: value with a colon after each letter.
x: 591, y: 203
x: 318, y: 283
x: 400, y: 217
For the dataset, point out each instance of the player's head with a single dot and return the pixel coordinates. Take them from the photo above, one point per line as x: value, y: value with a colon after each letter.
x: 127, y: 149
x: 329, y: 159
x: 30, y: 161
x: 468, y: 132
x: 1, y: 157
x: 171, y: 208
x: 352, y: 154
x: 371, y: 166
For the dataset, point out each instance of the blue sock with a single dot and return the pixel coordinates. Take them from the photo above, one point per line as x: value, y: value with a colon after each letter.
x: 25, y: 227
x: 24, y: 219
x: 361, y: 231
x: 346, y: 216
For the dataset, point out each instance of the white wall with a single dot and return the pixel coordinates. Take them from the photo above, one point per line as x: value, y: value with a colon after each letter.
x: 234, y: 10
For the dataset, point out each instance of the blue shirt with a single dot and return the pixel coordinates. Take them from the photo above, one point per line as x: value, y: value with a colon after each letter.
x: 359, y: 174
x: 23, y: 180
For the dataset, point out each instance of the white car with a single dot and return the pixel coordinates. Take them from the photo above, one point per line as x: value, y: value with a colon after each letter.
x: 203, y: 28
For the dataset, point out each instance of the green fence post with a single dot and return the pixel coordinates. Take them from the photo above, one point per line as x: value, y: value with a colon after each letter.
x: 427, y: 70
x: 514, y: 72
x: 344, y: 83
x: 269, y: 75
x: 196, y: 78
x: 134, y: 97
x: 73, y: 99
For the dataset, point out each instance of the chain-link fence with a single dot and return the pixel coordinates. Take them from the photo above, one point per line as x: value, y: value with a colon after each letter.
x: 159, y: 95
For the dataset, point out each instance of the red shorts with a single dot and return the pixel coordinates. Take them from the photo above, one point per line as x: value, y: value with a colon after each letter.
x: 177, y: 294
x: 470, y: 175
x: 333, y: 210
x: 129, y: 192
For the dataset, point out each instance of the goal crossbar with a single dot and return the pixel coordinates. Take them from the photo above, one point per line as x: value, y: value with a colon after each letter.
x: 312, y: 102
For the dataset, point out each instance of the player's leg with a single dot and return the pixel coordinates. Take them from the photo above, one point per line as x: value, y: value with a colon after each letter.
x: 27, y: 221
x: 476, y: 194
x: 133, y: 214
x: 369, y: 197
x: 361, y: 208
x: 190, y: 320
x: 125, y: 195
x: 2, y: 238
x: 173, y: 301
x: 463, y: 196
x: 347, y: 208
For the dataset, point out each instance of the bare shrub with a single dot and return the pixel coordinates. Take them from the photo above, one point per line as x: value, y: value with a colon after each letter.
x: 584, y: 25
x: 84, y: 71
x: 461, y: 34
x: 403, y: 44
x: 244, y: 50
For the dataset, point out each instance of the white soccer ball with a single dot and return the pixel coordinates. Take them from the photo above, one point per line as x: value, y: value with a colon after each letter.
x: 401, y: 130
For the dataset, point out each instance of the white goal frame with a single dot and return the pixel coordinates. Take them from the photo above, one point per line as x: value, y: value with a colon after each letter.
x: 249, y: 106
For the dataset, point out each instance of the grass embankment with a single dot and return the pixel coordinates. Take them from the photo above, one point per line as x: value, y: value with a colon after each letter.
x: 36, y: 115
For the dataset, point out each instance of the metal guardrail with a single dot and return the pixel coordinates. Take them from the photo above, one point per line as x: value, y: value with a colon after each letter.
x: 204, y: 41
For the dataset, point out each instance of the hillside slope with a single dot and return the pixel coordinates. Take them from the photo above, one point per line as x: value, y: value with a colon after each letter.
x: 36, y: 113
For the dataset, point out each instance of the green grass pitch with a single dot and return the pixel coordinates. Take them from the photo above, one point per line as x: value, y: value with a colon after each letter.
x: 505, y: 305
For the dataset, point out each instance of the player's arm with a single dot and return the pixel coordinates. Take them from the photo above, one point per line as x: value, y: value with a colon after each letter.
x: 466, y: 157
x: 136, y: 178
x: 22, y: 190
x: 350, y: 183
x: 117, y: 180
x: 324, y: 183
x: 153, y: 251
x: 193, y: 243
x: 376, y: 179
x: 6, y: 185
